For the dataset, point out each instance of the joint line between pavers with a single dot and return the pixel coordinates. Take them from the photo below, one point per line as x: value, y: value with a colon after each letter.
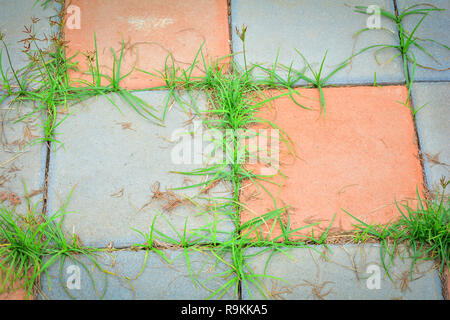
x: 46, y: 179
x: 344, y: 85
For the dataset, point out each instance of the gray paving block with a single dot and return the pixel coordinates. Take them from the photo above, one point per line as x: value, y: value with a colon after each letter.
x: 15, y: 15
x: 22, y: 163
x: 158, y: 280
x: 312, y: 27
x: 348, y: 272
x: 435, y: 26
x: 114, y: 163
x: 433, y: 128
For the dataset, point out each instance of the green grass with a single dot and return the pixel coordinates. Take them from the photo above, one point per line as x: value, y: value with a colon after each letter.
x: 317, y: 80
x: 408, y: 39
x: 424, y: 229
x: 53, y: 91
x: 235, y: 98
x: 30, y: 244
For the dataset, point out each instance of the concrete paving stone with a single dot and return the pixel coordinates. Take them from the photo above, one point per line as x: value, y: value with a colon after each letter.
x: 14, y: 17
x: 435, y: 26
x: 361, y: 157
x: 433, y: 129
x: 312, y: 27
x: 116, y: 163
x: 22, y: 168
x: 158, y: 280
x: 151, y: 30
x: 343, y: 272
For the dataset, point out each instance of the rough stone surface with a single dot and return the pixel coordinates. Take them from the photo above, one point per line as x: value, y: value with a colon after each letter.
x: 435, y: 27
x: 347, y: 272
x: 312, y: 27
x: 433, y: 127
x: 158, y: 279
x: 114, y: 164
x: 361, y: 157
x: 151, y: 30
x: 22, y: 160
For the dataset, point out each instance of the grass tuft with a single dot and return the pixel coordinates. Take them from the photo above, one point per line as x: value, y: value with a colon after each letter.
x: 424, y: 229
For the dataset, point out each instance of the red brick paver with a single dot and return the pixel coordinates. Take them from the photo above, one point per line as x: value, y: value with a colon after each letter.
x: 361, y: 157
x: 151, y: 30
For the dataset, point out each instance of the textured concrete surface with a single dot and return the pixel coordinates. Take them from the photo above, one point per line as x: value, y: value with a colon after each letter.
x: 22, y: 165
x: 435, y: 27
x: 120, y: 169
x: 14, y: 17
x: 158, y: 279
x: 360, y: 157
x: 347, y: 272
x: 433, y: 127
x: 310, y: 28
x: 151, y: 31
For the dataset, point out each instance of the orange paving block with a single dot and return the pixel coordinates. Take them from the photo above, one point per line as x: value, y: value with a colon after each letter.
x: 151, y: 30
x: 19, y: 294
x: 16, y: 291
x: 360, y: 157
